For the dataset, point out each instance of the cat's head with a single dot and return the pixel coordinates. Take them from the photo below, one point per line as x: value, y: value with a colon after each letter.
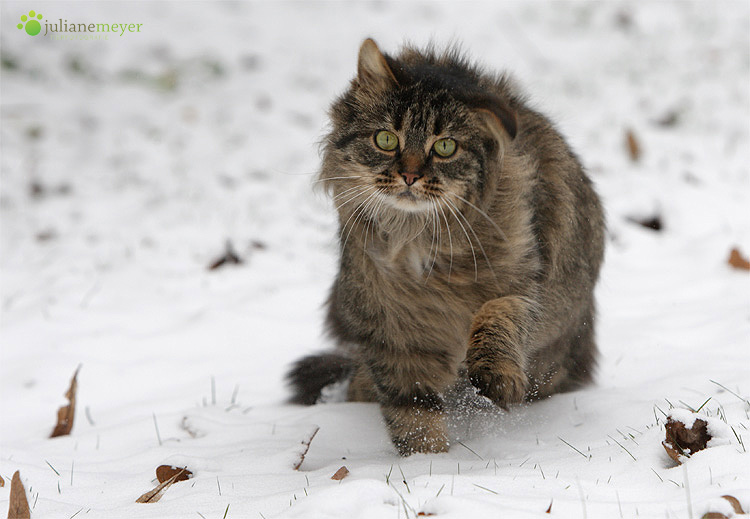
x: 415, y: 133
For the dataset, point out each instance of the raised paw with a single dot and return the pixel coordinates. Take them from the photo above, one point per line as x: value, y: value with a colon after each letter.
x: 503, y: 382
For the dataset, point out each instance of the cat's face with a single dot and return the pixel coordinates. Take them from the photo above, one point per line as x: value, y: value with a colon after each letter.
x: 411, y: 144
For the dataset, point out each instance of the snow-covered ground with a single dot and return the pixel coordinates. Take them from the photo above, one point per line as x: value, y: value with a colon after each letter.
x: 127, y: 163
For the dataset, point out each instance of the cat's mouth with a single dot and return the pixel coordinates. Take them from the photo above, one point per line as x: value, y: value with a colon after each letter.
x: 408, y: 200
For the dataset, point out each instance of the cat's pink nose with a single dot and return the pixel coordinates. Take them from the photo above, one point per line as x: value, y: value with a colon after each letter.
x: 410, y: 178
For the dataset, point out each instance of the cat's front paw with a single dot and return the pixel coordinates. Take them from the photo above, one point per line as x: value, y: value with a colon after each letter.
x: 416, y: 429
x: 504, y: 383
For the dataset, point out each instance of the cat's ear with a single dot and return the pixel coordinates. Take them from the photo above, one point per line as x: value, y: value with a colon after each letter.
x: 373, y: 70
x: 500, y: 119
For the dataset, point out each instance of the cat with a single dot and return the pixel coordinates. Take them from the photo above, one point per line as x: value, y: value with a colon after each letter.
x: 471, y: 240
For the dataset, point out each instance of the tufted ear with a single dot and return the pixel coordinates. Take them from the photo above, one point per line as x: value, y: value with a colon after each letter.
x: 500, y: 119
x: 372, y: 69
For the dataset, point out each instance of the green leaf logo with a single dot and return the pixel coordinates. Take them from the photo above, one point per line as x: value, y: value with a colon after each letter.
x: 30, y: 23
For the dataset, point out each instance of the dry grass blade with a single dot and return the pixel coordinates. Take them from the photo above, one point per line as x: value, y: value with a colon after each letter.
x: 66, y: 413
x: 152, y: 496
x: 18, y: 507
x: 340, y: 474
x: 305, y: 447
x: 737, y: 260
x: 165, y: 472
x: 549, y: 509
x: 2, y: 482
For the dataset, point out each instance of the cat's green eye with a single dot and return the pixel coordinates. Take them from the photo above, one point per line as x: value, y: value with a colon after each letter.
x: 445, y: 147
x: 386, y: 140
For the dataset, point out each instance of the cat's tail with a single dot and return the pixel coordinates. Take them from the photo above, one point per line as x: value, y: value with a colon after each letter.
x: 311, y: 374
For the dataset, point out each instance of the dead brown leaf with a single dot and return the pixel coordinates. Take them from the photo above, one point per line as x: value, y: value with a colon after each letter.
x: 681, y: 441
x: 340, y: 474
x: 164, y: 472
x: 737, y: 260
x: 66, y: 413
x: 229, y: 257
x: 634, y: 149
x: 735, y: 504
x: 18, y: 508
x: 714, y: 515
x: 549, y: 509
x: 152, y: 496
x: 2, y: 482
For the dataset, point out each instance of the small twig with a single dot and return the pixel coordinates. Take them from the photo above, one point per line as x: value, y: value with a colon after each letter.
x: 305, y: 447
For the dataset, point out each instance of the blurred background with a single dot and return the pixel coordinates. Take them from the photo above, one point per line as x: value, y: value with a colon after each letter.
x: 129, y: 162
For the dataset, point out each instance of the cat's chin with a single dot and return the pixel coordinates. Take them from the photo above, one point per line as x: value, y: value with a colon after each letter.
x: 409, y: 203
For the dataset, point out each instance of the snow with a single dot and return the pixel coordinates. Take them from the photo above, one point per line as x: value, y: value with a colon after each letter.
x: 150, y: 150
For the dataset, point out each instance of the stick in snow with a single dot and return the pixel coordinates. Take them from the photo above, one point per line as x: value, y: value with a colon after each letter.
x: 305, y: 448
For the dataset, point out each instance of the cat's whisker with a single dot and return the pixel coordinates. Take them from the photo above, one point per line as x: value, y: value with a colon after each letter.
x: 361, y: 208
x: 362, y: 191
x: 479, y: 243
x: 337, y: 178
x: 436, y: 224
x: 450, y: 240
x: 497, y: 228
x: 450, y: 207
x: 381, y: 198
x: 369, y: 207
x: 346, y: 192
x: 354, y: 212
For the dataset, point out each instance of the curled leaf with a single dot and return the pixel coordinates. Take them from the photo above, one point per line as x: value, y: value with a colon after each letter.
x: 735, y: 504
x: 152, y: 496
x: 340, y: 474
x: 165, y: 472
x: 683, y: 441
x: 737, y: 260
x: 66, y: 413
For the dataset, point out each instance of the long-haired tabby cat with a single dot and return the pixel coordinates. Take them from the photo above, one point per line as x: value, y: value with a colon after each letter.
x: 471, y: 241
